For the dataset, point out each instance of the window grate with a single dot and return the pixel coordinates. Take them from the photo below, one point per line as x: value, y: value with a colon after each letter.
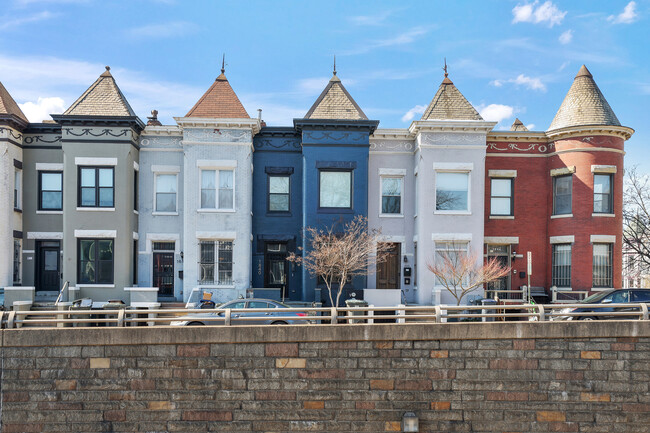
x: 164, y: 246
x: 561, y: 265
x: 602, y: 265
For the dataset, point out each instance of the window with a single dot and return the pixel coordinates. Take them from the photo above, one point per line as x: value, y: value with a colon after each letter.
x: 17, y: 191
x: 95, y: 261
x: 415, y: 264
x: 561, y: 276
x: 335, y: 189
x: 165, y: 197
x: 96, y: 186
x: 641, y: 296
x: 391, y: 195
x: 603, y: 202
x: 501, y: 199
x: 279, y: 188
x: 135, y: 189
x: 602, y: 268
x: 215, y: 266
x: 452, y: 191
x: 217, y: 189
x: 17, y: 253
x: 454, y: 252
x: 135, y: 262
x: 50, y: 190
x: 562, y: 194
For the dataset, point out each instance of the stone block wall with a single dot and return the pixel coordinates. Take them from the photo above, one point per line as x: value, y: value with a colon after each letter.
x: 498, y: 377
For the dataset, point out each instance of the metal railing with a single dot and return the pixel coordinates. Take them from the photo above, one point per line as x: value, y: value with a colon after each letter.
x: 322, y: 316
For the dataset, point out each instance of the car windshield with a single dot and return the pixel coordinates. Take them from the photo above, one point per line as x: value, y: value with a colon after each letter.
x: 595, y: 297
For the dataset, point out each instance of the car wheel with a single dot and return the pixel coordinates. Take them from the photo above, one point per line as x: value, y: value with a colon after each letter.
x: 279, y: 322
x: 195, y: 324
x: 587, y: 318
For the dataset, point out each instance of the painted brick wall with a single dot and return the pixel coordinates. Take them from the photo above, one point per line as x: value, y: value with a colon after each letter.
x: 513, y: 376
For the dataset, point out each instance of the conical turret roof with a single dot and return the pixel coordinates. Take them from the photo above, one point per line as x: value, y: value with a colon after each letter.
x: 450, y: 104
x: 219, y: 102
x: 518, y: 126
x: 584, y: 105
x: 103, y: 98
x: 335, y: 103
x: 8, y: 106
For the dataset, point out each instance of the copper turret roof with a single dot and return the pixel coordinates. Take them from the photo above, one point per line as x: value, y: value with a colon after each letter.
x: 450, y: 104
x: 219, y: 102
x: 335, y: 103
x: 8, y: 106
x: 102, y: 98
x: 584, y: 105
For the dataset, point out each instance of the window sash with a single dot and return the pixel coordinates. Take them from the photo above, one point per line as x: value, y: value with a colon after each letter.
x: 453, y: 250
x: 17, y: 189
x: 602, y: 265
x: 96, y: 187
x: 452, y: 191
x: 391, y: 194
x: 96, y: 261
x: 221, y: 268
x: 335, y: 189
x: 501, y: 199
x: 279, y: 188
x: 50, y: 195
x: 218, y: 189
x: 562, y: 194
x: 603, y: 197
x: 561, y: 265
x: 166, y: 193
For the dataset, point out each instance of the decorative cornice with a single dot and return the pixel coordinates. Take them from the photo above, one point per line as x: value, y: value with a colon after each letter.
x: 13, y: 121
x: 278, y: 131
x: 392, y: 134
x: 74, y: 120
x: 392, y: 145
x: 328, y: 124
x: 510, y: 136
x: 577, y: 131
x: 198, y: 122
x: 165, y: 130
x: 543, y: 147
x: 453, y: 126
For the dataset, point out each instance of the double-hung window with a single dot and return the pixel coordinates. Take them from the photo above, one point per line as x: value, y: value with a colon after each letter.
x: 603, y: 198
x: 562, y: 194
x: 166, y: 186
x: 96, y: 261
x: 561, y: 265
x: 501, y: 196
x: 391, y: 194
x: 279, y: 190
x: 18, y: 177
x: 335, y: 189
x: 452, y: 191
x: 215, y: 263
x: 217, y: 189
x: 50, y: 190
x: 602, y: 266
x: 451, y: 255
x: 96, y: 187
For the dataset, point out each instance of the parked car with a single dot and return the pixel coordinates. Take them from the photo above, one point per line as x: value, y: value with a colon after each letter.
x: 614, y: 296
x: 278, y: 317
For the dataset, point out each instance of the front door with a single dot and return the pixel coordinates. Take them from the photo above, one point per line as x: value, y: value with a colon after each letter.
x: 388, y: 271
x: 48, y: 277
x: 275, y: 261
x: 163, y: 268
x: 500, y: 287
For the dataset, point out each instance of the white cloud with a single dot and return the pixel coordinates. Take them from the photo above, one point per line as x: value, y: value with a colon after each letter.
x: 495, y: 112
x: 404, y: 38
x: 41, y: 110
x: 629, y: 15
x: 409, y: 115
x: 566, y: 37
x: 8, y: 23
x: 370, y: 20
x: 164, y: 30
x: 532, y: 83
x: 547, y: 13
x: 531, y: 126
x: 312, y: 86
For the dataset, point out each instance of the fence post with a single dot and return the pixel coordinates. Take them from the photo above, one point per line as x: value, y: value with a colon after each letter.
x: 401, y: 313
x: 438, y: 312
x: 644, y: 311
x: 542, y: 313
x: 120, y: 317
x: 371, y: 314
x: 11, y: 319
x: 227, y: 317
x: 333, y: 316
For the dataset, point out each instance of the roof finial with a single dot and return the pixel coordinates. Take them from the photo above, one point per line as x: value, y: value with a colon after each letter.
x: 108, y: 68
x: 335, y: 64
x: 223, y: 63
x: 445, y: 68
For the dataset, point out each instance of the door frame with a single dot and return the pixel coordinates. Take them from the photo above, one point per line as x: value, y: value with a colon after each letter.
x: 37, y: 264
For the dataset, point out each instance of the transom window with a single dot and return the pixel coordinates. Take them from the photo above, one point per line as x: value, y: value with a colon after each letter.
x: 217, y: 189
x: 215, y: 263
x: 335, y: 189
x: 96, y: 186
x: 452, y: 191
x: 166, y: 189
x: 561, y: 272
x: 391, y: 195
x: 95, y: 261
x: 562, y: 194
x: 279, y: 187
x: 501, y: 199
x: 50, y: 191
x: 603, y: 197
x: 602, y: 267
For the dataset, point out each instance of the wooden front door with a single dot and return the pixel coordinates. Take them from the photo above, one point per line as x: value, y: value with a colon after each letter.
x: 388, y: 272
x: 48, y: 278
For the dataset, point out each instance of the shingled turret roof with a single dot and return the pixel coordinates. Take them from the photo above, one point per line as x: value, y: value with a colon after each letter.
x: 450, y: 104
x: 103, y: 98
x: 518, y: 126
x: 584, y: 105
x: 219, y: 102
x: 8, y: 106
x: 335, y: 103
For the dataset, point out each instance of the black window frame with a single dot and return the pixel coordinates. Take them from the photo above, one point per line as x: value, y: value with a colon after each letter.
x: 555, y: 179
x: 40, y: 189
x: 554, y: 267
x: 610, y: 198
x: 336, y: 170
x: 96, y: 187
x: 511, y: 197
x: 96, y: 261
x: 268, y: 193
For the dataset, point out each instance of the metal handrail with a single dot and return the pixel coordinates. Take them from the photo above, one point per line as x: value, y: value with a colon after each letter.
x: 58, y: 298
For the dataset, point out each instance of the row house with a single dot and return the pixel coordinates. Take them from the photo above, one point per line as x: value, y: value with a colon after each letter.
x: 217, y: 201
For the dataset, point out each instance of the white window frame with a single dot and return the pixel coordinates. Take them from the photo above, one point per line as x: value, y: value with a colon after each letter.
x: 215, y: 282
x: 467, y: 171
x: 155, y: 190
x: 387, y: 175
x: 452, y: 240
x: 18, y: 185
x: 217, y: 171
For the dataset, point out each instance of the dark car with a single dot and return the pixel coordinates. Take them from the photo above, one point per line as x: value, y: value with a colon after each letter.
x: 279, y: 315
x: 614, y: 296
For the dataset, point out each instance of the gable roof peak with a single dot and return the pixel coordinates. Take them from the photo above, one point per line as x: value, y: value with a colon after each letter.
x: 449, y: 104
x: 335, y: 102
x: 584, y: 72
x: 518, y: 126
x: 9, y: 107
x: 102, y: 98
x: 219, y: 102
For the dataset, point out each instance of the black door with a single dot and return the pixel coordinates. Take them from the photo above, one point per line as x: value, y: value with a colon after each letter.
x: 163, y: 273
x: 275, y: 275
x: 48, y: 273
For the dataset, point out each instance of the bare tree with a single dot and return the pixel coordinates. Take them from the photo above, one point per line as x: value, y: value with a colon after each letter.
x: 336, y: 257
x: 462, y: 272
x: 636, y: 223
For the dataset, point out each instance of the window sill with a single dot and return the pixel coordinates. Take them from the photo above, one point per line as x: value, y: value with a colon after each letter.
x: 164, y: 213
x: 49, y: 212
x: 278, y: 214
x: 216, y: 210
x: 606, y: 215
x: 212, y: 286
x: 102, y: 286
x: 96, y: 209
x: 389, y: 215
x: 566, y: 215
x: 18, y: 210
x: 502, y: 217
x: 135, y: 212
x: 335, y: 210
x: 452, y: 212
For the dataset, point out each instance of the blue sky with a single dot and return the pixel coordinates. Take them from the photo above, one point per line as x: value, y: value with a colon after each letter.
x: 509, y: 58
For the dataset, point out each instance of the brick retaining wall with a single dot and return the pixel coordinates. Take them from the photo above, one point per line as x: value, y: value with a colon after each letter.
x: 499, y: 377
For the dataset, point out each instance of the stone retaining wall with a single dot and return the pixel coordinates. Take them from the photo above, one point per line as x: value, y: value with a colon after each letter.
x: 496, y: 377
